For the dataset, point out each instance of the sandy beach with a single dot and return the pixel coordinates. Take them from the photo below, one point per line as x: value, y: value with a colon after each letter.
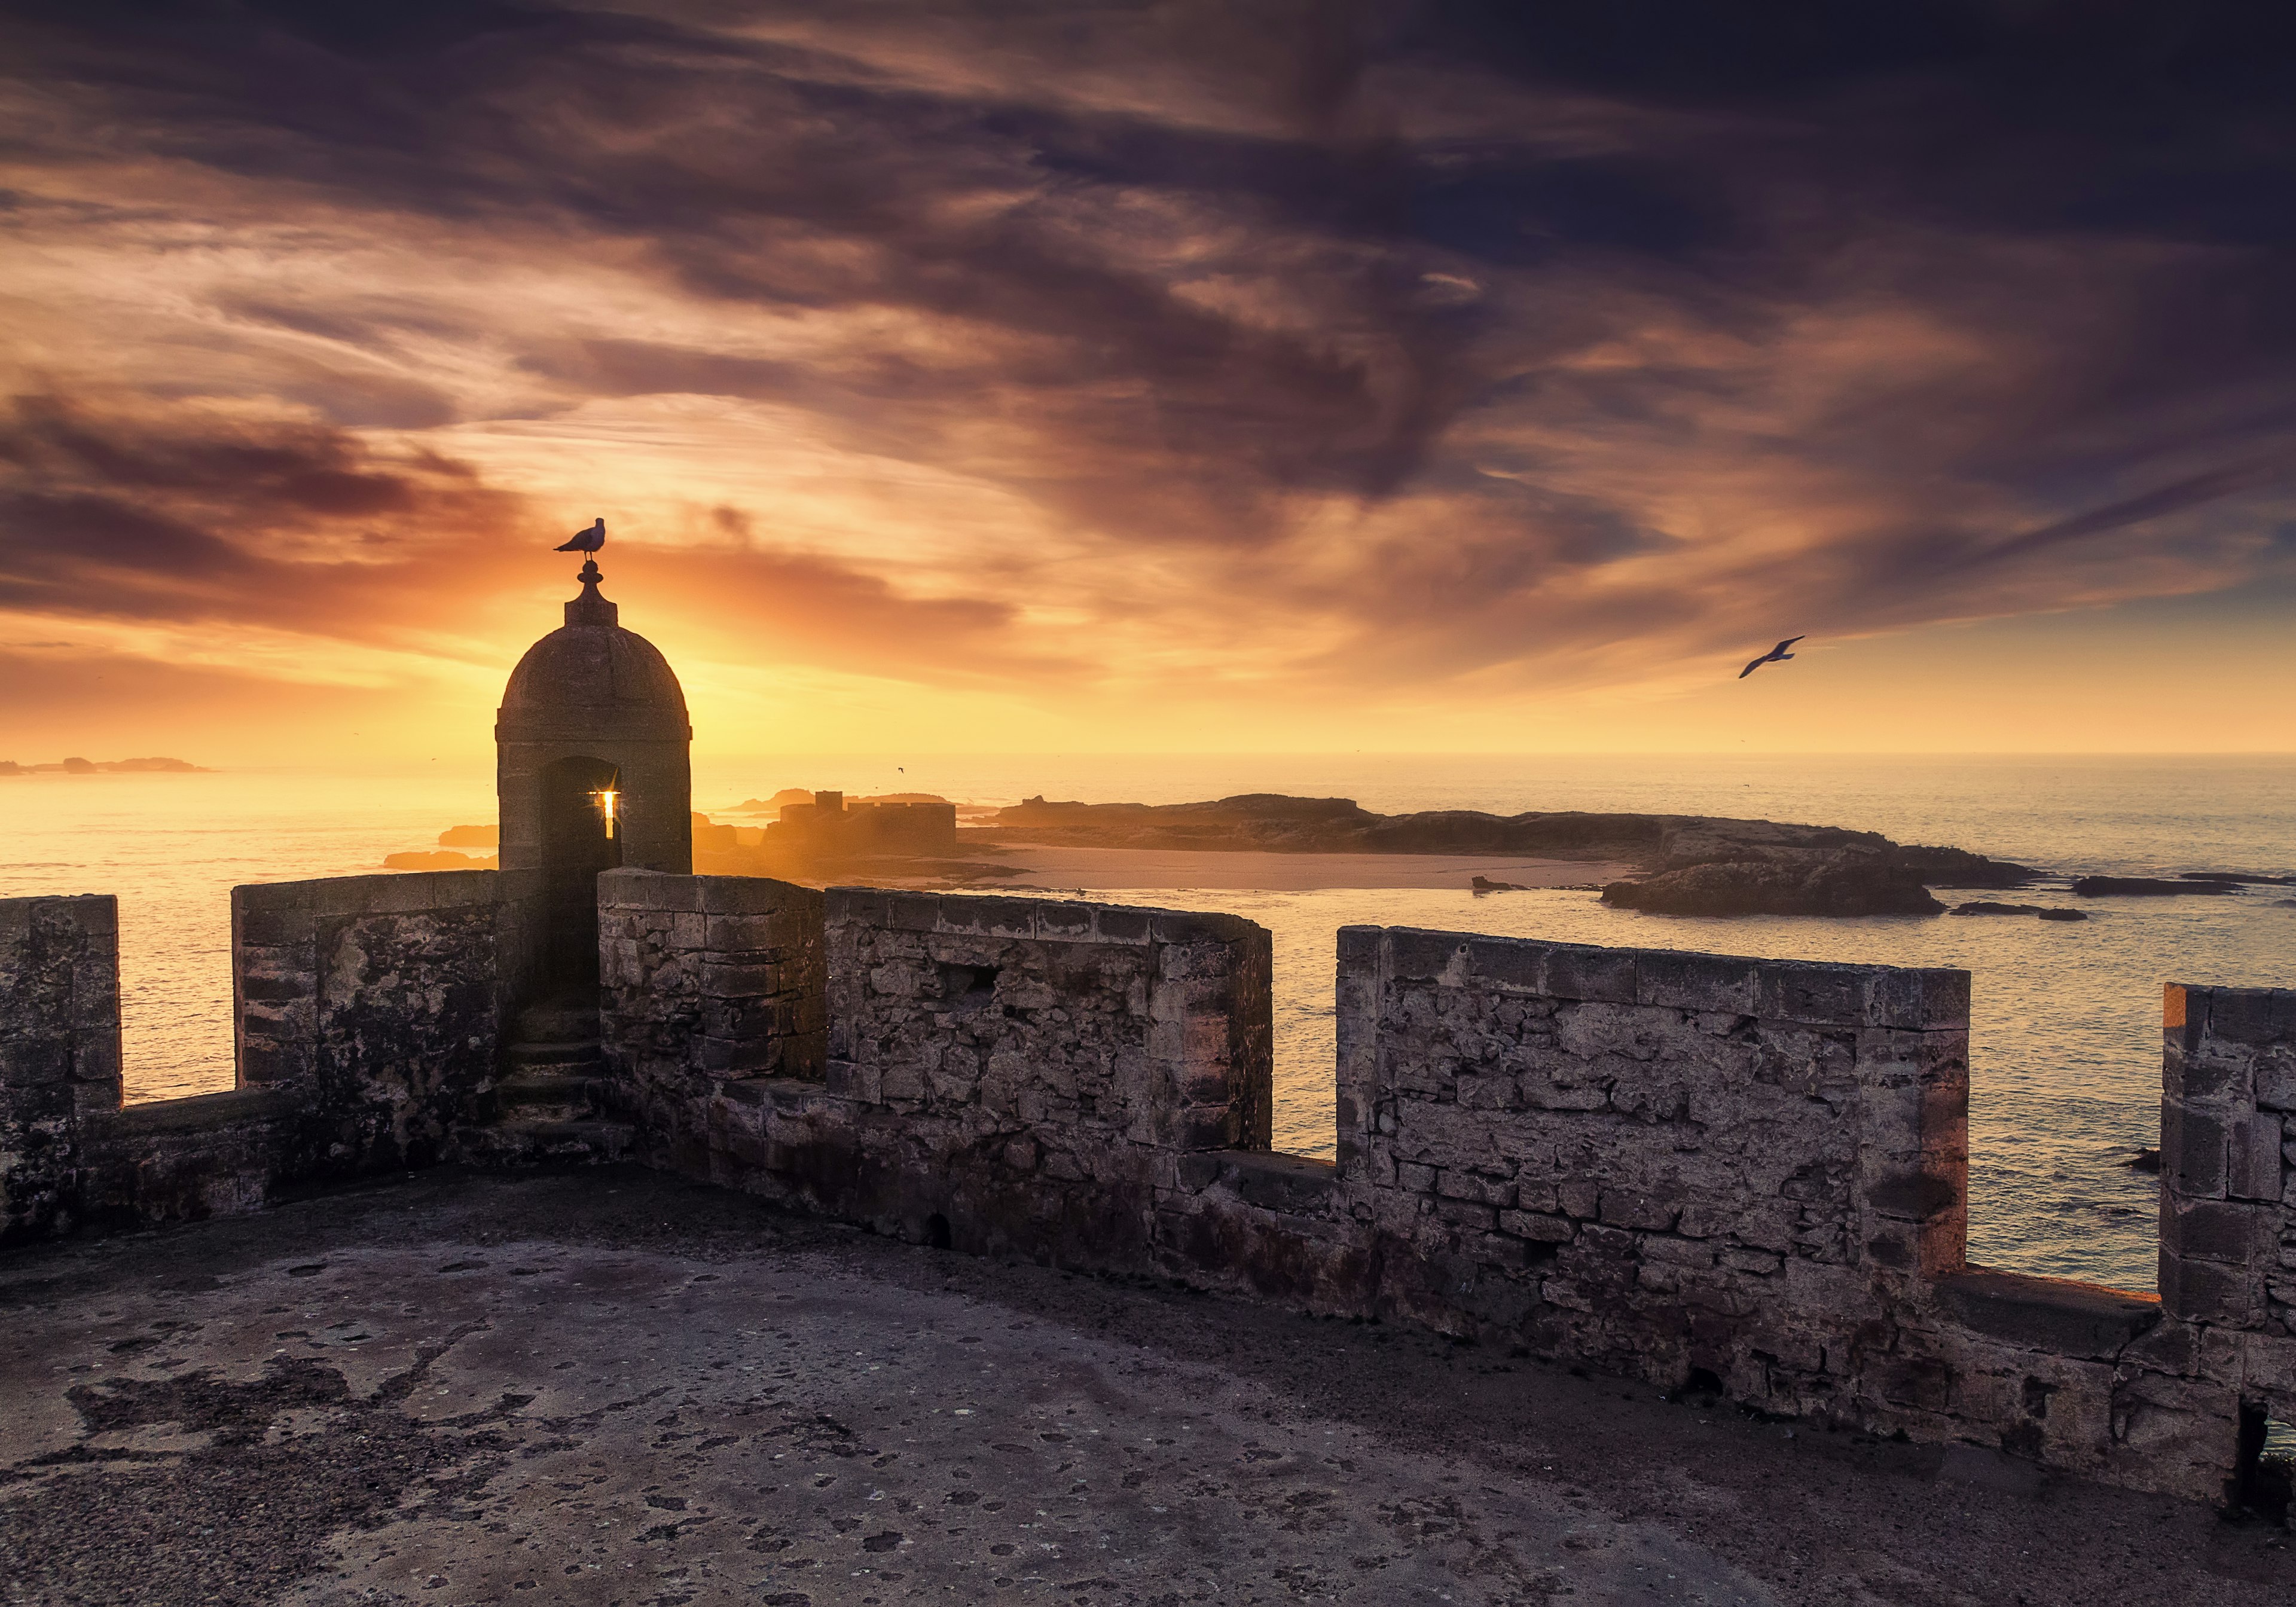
x: 1069, y: 869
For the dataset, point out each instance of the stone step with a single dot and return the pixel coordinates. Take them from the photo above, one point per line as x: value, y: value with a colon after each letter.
x: 573, y: 1068
x: 535, y: 1141
x: 558, y: 1023
x: 528, y: 1051
x: 571, y: 1090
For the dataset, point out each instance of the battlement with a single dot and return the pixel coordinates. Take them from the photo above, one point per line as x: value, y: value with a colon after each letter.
x: 1750, y: 1175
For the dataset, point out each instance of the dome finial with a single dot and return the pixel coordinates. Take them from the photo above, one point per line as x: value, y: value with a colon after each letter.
x: 590, y: 608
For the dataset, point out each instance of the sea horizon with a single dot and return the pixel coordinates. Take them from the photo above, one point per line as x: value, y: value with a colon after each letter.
x: 2065, y: 1042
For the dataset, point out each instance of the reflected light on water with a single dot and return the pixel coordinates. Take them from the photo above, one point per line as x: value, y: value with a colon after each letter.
x: 2064, y: 1039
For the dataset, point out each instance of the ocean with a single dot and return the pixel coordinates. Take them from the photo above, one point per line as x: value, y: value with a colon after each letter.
x: 2065, y: 1044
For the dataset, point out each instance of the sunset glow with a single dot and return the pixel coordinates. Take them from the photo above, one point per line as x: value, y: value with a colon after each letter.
x: 955, y: 381
x: 1371, y: 801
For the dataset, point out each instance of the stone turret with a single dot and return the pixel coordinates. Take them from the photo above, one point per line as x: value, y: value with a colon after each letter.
x: 592, y: 772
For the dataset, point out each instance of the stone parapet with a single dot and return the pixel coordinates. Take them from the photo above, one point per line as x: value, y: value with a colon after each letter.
x: 1152, y: 1026
x: 2229, y: 1188
x: 364, y: 1012
x: 1674, y: 1165
x: 705, y: 981
x: 1012, y: 1075
x: 185, y: 1159
x: 58, y: 1051
x: 375, y: 1002
x: 1741, y: 1175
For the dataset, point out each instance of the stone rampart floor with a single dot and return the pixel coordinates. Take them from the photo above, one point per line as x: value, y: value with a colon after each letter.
x: 611, y: 1387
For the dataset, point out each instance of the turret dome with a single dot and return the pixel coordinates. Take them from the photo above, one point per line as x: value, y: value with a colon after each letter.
x: 591, y: 679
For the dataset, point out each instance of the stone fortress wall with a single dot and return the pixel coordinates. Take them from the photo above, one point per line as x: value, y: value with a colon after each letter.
x: 1746, y: 1175
x: 366, y: 1024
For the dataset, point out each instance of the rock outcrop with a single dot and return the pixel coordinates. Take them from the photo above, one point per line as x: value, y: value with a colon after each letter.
x: 1697, y: 864
x: 2146, y: 886
x: 1812, y: 884
x: 2044, y: 911
x: 441, y: 859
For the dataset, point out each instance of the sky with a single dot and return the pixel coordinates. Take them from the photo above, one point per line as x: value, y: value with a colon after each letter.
x: 1212, y: 376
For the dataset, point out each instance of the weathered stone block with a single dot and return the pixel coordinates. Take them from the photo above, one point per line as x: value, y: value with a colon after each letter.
x: 1917, y: 1000
x: 2056, y: 1316
x: 915, y: 912
x: 1190, y: 927
x: 95, y: 1062
x: 2210, y: 1292
x: 2238, y: 1233
x: 1423, y: 955
x: 646, y: 891
x: 1632, y: 1208
x: 1293, y: 1185
x: 2217, y: 1074
x: 2195, y: 1149
x: 275, y: 989
x: 1593, y: 975
x: 1537, y: 1226
x: 2275, y: 1078
x: 2253, y: 1016
x: 264, y: 1062
x: 1910, y: 1106
x: 1802, y: 1060
x: 1459, y: 1137
x: 280, y: 925
x: 1503, y: 966
x: 2252, y: 1170
x: 1464, y: 1214
x: 1461, y: 1183
x: 1696, y: 982
x: 749, y: 931
x: 31, y: 1062
x: 1054, y: 921
x: 1541, y: 1095
x: 856, y: 907
x: 1806, y: 991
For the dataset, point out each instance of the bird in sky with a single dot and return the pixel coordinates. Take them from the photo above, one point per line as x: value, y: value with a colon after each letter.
x: 1776, y: 655
x: 586, y: 541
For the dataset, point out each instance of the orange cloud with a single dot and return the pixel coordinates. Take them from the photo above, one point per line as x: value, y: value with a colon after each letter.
x: 1194, y: 372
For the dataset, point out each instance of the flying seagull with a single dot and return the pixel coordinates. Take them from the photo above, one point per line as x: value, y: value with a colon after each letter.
x: 586, y: 541
x: 1776, y: 655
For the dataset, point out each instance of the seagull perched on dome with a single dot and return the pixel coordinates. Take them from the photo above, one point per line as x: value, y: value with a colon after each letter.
x: 586, y: 541
x: 1776, y: 655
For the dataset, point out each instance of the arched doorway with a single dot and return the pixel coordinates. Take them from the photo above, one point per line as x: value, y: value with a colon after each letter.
x: 581, y: 836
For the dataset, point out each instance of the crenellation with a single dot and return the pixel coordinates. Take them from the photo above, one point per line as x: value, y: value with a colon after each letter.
x: 59, y: 1051
x: 365, y: 1015
x: 1665, y: 1165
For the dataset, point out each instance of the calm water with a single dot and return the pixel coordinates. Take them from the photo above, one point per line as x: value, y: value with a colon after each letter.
x: 2066, y: 1037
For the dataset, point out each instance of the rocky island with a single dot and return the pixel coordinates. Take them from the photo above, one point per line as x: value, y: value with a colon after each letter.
x: 1691, y: 864
x: 1674, y: 864
x: 104, y: 766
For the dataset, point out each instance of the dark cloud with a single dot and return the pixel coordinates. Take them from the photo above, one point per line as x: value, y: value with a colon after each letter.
x: 2195, y: 491
x: 181, y: 517
x: 1984, y: 303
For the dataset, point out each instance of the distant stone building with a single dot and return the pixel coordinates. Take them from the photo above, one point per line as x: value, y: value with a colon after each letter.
x: 830, y: 827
